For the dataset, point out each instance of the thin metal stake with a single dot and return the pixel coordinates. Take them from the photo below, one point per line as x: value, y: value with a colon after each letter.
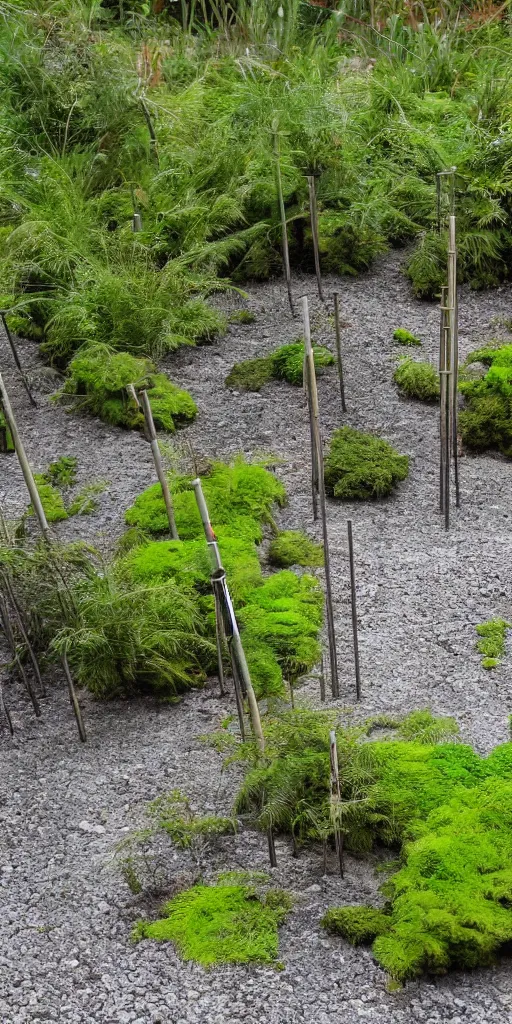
x: 16, y: 358
x: 74, y: 700
x: 282, y: 215
x: 336, y: 796
x: 354, y: 607
x: 313, y: 214
x: 338, y: 349
x: 157, y: 459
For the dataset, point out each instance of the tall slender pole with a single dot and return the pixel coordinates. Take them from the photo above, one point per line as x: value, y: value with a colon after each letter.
x: 337, y: 326
x: 23, y: 461
x: 442, y: 397
x: 313, y: 215
x: 282, y: 215
x: 74, y: 700
x: 454, y: 339
x: 336, y: 797
x: 315, y: 421
x: 16, y: 358
x: 353, y: 601
x: 157, y: 459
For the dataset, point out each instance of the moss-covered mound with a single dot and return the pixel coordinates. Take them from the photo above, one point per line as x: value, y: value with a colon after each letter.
x: 293, y: 547
x: 53, y: 486
x: 404, y: 337
x: 220, y: 924
x: 449, y: 904
x: 98, y: 378
x: 417, y: 380
x: 491, y: 644
x: 362, y: 466
x: 286, y: 363
x: 486, y: 422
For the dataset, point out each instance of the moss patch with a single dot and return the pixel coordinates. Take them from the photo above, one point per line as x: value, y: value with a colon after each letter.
x: 98, y: 378
x: 51, y: 500
x: 417, y: 380
x: 404, y: 337
x: 219, y: 924
x: 358, y: 925
x: 6, y: 441
x: 492, y: 641
x: 362, y: 466
x: 293, y: 547
x: 486, y: 422
x: 286, y: 363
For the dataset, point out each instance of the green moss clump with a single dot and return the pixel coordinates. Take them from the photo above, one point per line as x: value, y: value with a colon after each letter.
x: 98, y: 378
x: 62, y: 473
x: 492, y: 642
x: 405, y: 337
x: 486, y: 422
x: 358, y: 925
x: 241, y: 316
x: 417, y: 380
x: 293, y: 547
x: 219, y: 924
x: 251, y: 375
x: 286, y: 363
x: 51, y: 500
x: 6, y: 441
x: 362, y: 466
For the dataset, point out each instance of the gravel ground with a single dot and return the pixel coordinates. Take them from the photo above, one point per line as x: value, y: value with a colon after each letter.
x: 66, y: 914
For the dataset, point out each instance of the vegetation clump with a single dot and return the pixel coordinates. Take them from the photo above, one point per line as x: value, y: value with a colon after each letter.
x: 98, y: 379
x: 58, y: 478
x: 358, y: 925
x: 405, y: 337
x: 486, y: 421
x: 362, y: 466
x: 173, y: 814
x: 294, y: 547
x: 417, y: 380
x: 219, y: 924
x: 492, y: 641
x: 6, y: 441
x: 286, y: 363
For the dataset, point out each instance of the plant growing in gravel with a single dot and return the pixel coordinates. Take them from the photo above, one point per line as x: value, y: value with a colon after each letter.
x: 218, y: 924
x: 362, y: 466
x: 358, y: 925
x: 293, y: 547
x: 286, y: 363
x: 405, y: 337
x: 62, y: 473
x: 51, y: 500
x: 241, y: 316
x: 251, y: 375
x: 59, y: 476
x: 492, y: 641
x: 173, y: 814
x: 486, y: 421
x: 417, y: 380
x: 98, y: 379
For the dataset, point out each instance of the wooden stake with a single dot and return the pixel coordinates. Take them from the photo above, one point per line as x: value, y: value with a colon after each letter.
x: 336, y: 797
x: 338, y: 349
x: 454, y: 339
x: 282, y: 215
x: 315, y: 430
x: 74, y: 700
x: 322, y: 679
x: 354, y: 607
x: 16, y: 358
x: 23, y: 461
x: 219, y: 634
x: 157, y: 459
x: 313, y: 215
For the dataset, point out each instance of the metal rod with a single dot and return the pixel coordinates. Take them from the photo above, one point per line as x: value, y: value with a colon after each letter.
x: 336, y: 796
x: 137, y: 222
x: 353, y: 600
x: 282, y: 215
x: 157, y: 459
x: 16, y: 358
x: 315, y: 420
x: 442, y: 397
x: 74, y: 700
x: 11, y: 640
x: 23, y: 461
x: 220, y: 636
x: 313, y: 215
x: 338, y: 349
x: 454, y: 338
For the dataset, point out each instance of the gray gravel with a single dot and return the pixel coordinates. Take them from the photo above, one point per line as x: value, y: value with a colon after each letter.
x: 66, y: 914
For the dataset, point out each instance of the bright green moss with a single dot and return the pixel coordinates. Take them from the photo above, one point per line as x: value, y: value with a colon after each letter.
x: 486, y: 422
x: 51, y: 500
x: 492, y: 641
x: 362, y: 466
x: 286, y: 363
x: 405, y: 337
x: 98, y: 378
x: 219, y: 924
x: 359, y: 925
x: 417, y: 380
x: 293, y: 547
x: 62, y: 473
x: 6, y: 441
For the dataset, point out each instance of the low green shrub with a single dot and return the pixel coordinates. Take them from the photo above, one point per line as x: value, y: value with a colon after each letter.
x: 486, y: 421
x: 286, y: 363
x: 98, y: 378
x: 359, y: 925
x: 492, y: 641
x: 293, y: 547
x: 426, y: 268
x: 219, y: 924
x: 173, y: 813
x: 362, y: 466
x: 417, y: 380
x: 405, y: 337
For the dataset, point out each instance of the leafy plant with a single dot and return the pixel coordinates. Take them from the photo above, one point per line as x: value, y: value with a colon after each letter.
x: 173, y: 814
x: 417, y: 380
x: 362, y: 466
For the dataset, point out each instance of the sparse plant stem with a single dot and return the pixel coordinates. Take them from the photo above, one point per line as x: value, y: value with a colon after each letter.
x: 11, y: 640
x: 23, y: 461
x: 353, y: 601
x: 157, y: 459
x: 19, y: 620
x: 339, y: 358
x: 16, y: 358
x: 313, y: 215
x: 74, y: 700
x: 336, y: 797
x: 5, y: 710
x: 317, y: 455
x: 282, y: 215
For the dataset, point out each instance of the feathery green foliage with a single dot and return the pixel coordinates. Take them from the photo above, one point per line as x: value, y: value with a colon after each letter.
x: 219, y: 924
x: 286, y: 363
x: 405, y: 337
x: 173, y: 814
x: 417, y: 380
x: 492, y: 641
x: 486, y: 421
x: 98, y: 378
x: 293, y: 547
x: 362, y: 466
